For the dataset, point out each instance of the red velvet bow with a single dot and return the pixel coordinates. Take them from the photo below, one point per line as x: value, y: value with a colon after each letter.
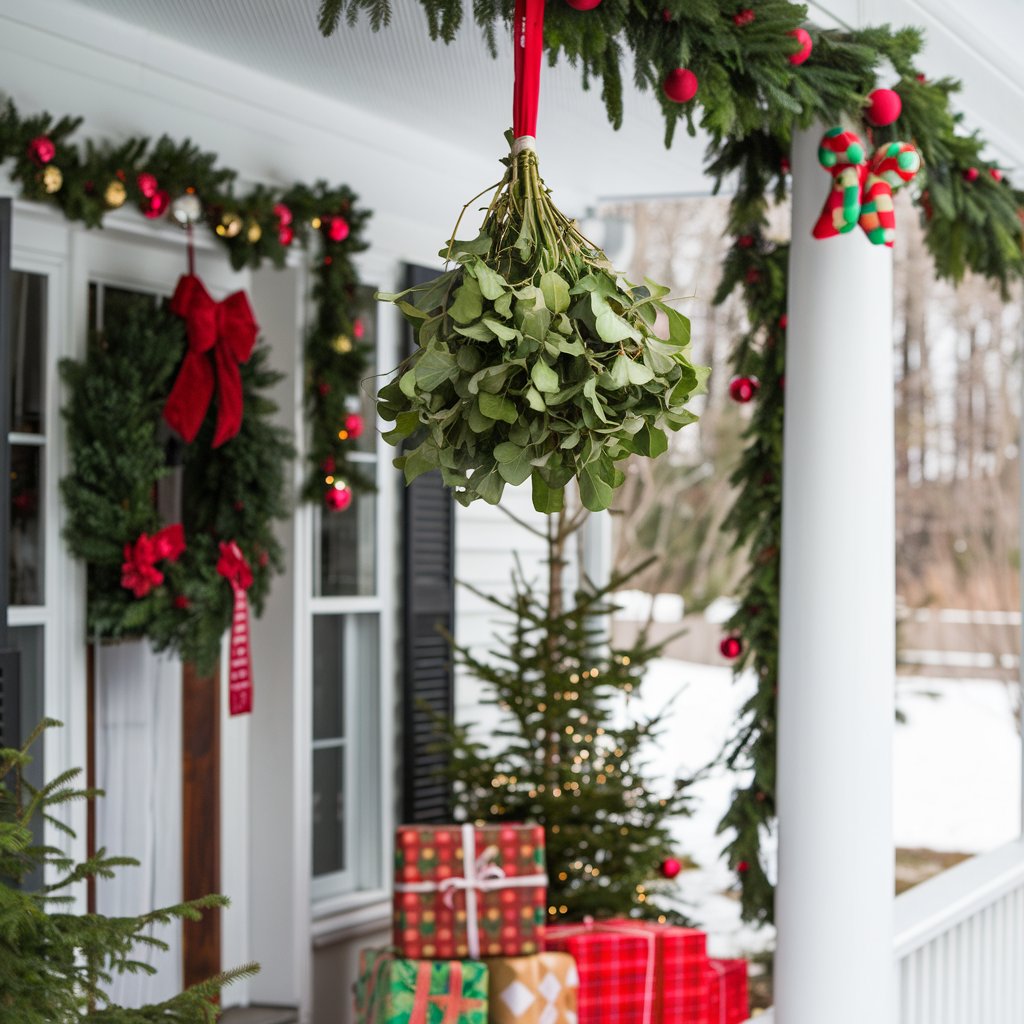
x: 139, y: 573
x: 228, y: 331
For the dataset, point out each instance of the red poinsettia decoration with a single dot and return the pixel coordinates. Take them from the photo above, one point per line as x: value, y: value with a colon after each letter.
x: 139, y: 573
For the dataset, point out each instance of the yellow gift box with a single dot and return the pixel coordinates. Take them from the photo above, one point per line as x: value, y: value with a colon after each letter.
x: 538, y: 989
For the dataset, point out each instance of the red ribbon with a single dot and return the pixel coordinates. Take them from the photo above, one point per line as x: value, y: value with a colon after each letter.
x: 528, y: 42
x: 139, y: 573
x: 235, y: 569
x: 227, y: 330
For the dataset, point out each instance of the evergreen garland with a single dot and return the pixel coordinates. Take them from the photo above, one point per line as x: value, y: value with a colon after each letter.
x: 87, y: 181
x: 56, y: 965
x: 118, y: 454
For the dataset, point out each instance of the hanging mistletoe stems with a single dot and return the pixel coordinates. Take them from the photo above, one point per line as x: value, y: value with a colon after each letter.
x: 535, y: 359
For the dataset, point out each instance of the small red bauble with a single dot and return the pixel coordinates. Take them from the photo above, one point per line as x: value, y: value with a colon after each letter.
x: 783, y: 322
x: 338, y: 498
x: 282, y: 213
x: 358, y: 329
x: 328, y: 465
x: 323, y: 389
x: 670, y: 867
x: 337, y: 229
x: 743, y: 867
x: 182, y: 602
x: 354, y: 425
x: 263, y: 560
x: 784, y: 165
x: 41, y: 150
x: 743, y: 389
x: 680, y: 85
x: 745, y: 241
x: 753, y: 275
x: 971, y: 174
x: 583, y: 5
x: 744, y: 17
x: 997, y: 175
x: 921, y: 78
x: 884, y: 107
x: 731, y: 647
x: 148, y: 184
x: 156, y: 205
x: 803, y: 37
x: 286, y: 234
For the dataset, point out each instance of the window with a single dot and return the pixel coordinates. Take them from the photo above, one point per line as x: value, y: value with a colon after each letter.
x: 349, y: 609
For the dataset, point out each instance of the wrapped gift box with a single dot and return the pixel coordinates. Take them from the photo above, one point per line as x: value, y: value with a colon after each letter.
x: 466, y: 891
x: 538, y: 989
x: 391, y: 990
x: 728, y: 1001
x: 636, y: 972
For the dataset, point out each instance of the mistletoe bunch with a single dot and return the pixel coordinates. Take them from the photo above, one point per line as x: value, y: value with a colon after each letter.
x: 144, y: 578
x: 536, y: 360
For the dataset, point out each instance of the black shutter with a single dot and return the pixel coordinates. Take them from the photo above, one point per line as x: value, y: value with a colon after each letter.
x: 10, y: 684
x: 428, y: 531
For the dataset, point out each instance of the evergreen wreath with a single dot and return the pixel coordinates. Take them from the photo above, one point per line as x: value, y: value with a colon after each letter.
x: 146, y: 579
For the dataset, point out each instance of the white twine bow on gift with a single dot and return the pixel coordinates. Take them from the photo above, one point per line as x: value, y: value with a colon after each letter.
x: 480, y: 874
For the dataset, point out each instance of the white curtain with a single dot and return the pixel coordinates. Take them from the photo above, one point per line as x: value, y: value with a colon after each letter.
x: 138, y: 765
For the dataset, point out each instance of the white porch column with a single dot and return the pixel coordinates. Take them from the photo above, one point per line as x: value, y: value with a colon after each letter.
x: 834, y: 907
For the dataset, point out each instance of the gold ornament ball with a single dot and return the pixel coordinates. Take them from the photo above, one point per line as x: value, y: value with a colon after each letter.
x: 342, y: 344
x: 52, y: 179
x: 255, y: 233
x: 232, y: 225
x: 115, y: 194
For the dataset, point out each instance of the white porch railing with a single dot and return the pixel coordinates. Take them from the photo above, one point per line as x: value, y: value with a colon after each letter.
x: 959, y: 944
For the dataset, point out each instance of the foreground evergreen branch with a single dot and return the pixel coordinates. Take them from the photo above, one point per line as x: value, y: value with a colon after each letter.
x: 536, y: 360
x: 56, y: 965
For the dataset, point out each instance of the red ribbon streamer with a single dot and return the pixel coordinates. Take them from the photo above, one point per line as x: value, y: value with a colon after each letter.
x: 528, y: 42
x: 227, y: 330
x: 139, y: 573
x: 235, y: 569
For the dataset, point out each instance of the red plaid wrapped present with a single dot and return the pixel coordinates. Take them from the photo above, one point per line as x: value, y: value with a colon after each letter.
x: 466, y: 891
x: 727, y: 998
x: 635, y: 972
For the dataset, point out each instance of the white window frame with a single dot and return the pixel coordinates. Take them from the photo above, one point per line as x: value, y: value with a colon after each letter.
x: 370, y: 763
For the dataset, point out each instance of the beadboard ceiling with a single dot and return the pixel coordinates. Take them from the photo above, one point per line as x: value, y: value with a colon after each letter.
x: 459, y: 93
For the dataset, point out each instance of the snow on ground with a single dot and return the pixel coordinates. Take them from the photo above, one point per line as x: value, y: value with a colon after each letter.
x: 957, y: 776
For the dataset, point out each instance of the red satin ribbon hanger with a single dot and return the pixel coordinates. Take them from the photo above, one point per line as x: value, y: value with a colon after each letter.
x: 528, y: 39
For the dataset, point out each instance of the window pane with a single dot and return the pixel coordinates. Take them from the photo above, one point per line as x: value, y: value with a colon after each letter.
x: 328, y: 810
x: 26, y: 525
x: 28, y: 347
x: 328, y: 677
x: 347, y: 553
x: 28, y: 640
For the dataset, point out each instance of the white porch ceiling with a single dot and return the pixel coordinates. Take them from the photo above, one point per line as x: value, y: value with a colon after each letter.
x: 460, y: 94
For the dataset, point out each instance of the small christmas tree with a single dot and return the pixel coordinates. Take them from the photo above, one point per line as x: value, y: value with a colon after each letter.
x: 55, y: 965
x: 560, y: 756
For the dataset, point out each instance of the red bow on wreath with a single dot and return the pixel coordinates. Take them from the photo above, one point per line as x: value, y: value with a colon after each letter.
x: 139, y: 573
x: 235, y: 569
x: 227, y: 330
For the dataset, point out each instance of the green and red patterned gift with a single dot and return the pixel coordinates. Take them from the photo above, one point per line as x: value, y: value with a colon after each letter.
x: 469, y: 891
x: 391, y: 990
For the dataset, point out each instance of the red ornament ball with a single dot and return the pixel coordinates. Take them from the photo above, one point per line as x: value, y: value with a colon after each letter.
x: 803, y: 37
x: 680, y: 85
x: 997, y: 175
x: 358, y: 329
x: 328, y: 465
x: 745, y: 241
x: 338, y: 498
x: 41, y: 150
x: 731, y: 647
x: 743, y: 389
x: 743, y: 18
x: 354, y: 424
x: 286, y: 234
x: 182, y: 602
x: 783, y: 322
x: 971, y: 174
x: 148, y: 184
x: 583, y: 5
x: 884, y: 107
x: 282, y: 213
x: 784, y: 165
x: 670, y: 867
x: 753, y: 275
x: 743, y: 867
x: 337, y: 229
x: 156, y: 205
